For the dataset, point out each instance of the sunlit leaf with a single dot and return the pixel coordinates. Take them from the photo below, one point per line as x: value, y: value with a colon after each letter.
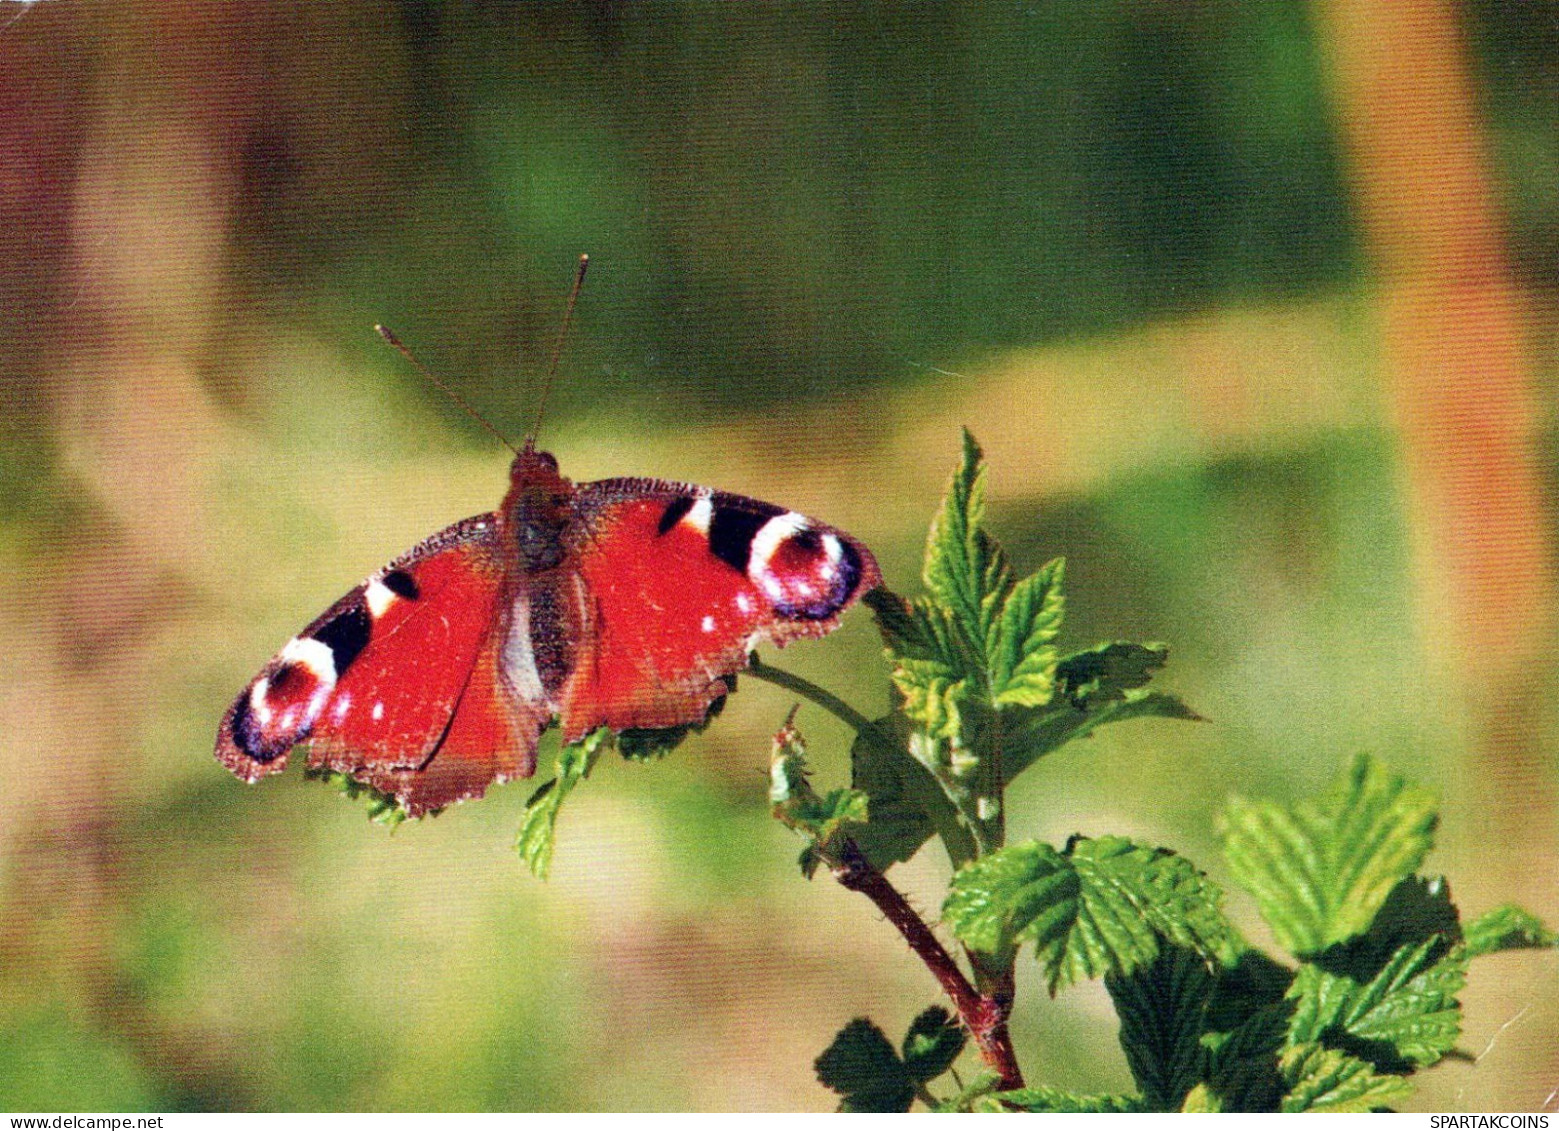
x: 538, y: 826
x: 1021, y: 653
x: 1098, y: 908
x: 1320, y: 870
x: 1059, y: 1101
x: 1327, y: 1080
x: 1507, y: 928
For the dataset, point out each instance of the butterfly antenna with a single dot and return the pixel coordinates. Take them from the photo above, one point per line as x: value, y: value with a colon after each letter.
x: 557, y: 349
x: 389, y: 336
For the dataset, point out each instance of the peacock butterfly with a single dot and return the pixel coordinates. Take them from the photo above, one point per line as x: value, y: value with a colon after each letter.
x: 624, y: 603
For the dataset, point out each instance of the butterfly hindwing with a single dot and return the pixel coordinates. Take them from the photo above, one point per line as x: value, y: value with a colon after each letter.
x: 681, y: 583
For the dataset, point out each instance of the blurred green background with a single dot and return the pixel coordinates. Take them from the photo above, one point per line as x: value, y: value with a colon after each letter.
x: 1252, y: 304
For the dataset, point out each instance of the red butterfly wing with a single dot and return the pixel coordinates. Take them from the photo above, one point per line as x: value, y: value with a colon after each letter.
x: 680, y: 583
x: 625, y: 603
x: 398, y: 683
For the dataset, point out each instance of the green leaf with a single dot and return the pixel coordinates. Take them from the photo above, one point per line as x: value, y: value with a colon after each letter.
x: 932, y: 1044
x: 1163, y: 1011
x: 1406, y: 1016
x: 1055, y: 1100
x: 966, y: 572
x: 979, y: 1094
x: 1106, y: 672
x: 1096, y: 909
x: 1202, y: 1100
x: 1027, y: 888
x: 382, y: 808
x: 1328, y: 1080
x: 796, y: 805
x: 1034, y: 734
x: 932, y: 663
x: 538, y: 825
x: 1320, y: 870
x: 863, y: 1068
x: 1507, y: 928
x: 905, y: 806
x: 1022, y: 654
x: 1243, y: 1070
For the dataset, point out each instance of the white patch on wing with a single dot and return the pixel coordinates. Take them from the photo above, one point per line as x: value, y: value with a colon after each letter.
x: 744, y: 602
x: 708, y: 624
x: 379, y: 597
x: 313, y: 655
x: 315, y: 658
x: 833, y: 554
x: 699, y: 514
x: 771, y: 535
x: 378, y: 711
x: 258, y: 707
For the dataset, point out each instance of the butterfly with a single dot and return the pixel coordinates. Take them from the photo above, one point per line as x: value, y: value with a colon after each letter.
x: 623, y: 603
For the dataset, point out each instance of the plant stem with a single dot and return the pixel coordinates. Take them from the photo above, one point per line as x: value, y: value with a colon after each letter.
x: 984, y: 1012
x: 984, y: 1016
x: 808, y: 690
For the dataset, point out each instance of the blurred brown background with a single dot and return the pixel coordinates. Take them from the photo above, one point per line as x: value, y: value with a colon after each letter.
x: 1252, y: 304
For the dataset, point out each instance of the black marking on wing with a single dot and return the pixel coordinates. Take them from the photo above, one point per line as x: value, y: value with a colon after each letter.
x: 402, y: 584
x: 732, y: 529
x: 346, y: 634
x: 675, y: 511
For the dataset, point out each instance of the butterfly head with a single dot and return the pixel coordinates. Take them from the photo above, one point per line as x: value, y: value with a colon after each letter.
x: 536, y: 509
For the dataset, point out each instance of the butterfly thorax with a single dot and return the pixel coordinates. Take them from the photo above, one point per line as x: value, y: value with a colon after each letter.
x: 536, y: 510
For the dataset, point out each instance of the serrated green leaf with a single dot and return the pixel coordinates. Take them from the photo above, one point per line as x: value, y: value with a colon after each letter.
x: 904, y: 803
x: 538, y: 826
x: 933, y: 667
x: 862, y: 1067
x: 1320, y: 870
x: 932, y: 1044
x: 1096, y: 909
x: 1243, y: 1062
x: 1057, y: 1101
x: 1033, y: 734
x: 1107, y: 672
x: 1507, y: 928
x: 966, y: 572
x: 1328, y: 1080
x: 1406, y: 1015
x: 1021, y: 653
x: 1163, y: 1011
x: 995, y: 899
x: 796, y: 805
x: 381, y: 808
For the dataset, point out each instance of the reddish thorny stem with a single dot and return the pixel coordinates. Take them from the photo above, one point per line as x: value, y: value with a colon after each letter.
x: 984, y: 1016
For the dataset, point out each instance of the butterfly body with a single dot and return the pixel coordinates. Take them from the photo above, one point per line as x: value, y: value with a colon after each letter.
x: 625, y: 603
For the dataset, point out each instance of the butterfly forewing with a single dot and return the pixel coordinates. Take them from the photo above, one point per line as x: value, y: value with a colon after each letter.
x: 373, y: 684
